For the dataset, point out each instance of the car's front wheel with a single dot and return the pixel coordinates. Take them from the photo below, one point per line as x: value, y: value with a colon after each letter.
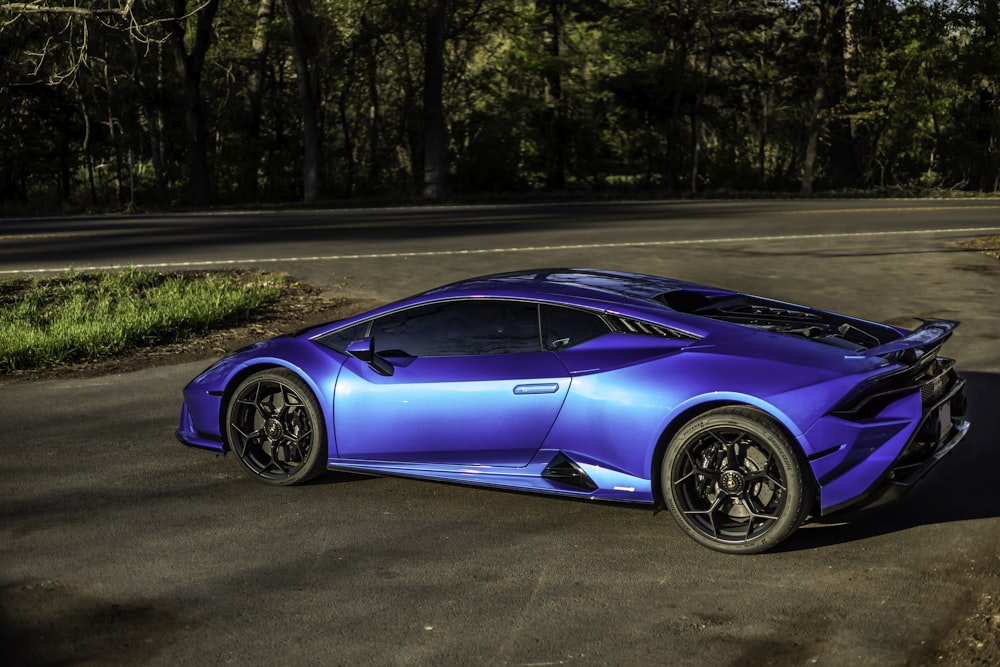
x: 734, y: 482
x: 276, y: 429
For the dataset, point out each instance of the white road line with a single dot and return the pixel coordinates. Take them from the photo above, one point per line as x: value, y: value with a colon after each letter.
x: 490, y: 251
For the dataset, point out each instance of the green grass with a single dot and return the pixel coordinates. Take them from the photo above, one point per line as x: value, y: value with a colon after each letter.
x: 85, y: 316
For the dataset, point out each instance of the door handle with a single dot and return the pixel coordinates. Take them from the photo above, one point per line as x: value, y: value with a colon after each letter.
x: 528, y: 389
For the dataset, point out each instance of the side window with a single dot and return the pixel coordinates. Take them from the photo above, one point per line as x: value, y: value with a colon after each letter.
x: 338, y: 340
x: 563, y: 327
x: 475, y: 326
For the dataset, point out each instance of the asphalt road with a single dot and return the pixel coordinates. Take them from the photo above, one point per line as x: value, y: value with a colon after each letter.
x: 119, y: 546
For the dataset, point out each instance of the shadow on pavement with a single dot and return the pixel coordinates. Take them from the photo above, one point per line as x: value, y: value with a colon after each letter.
x: 960, y: 488
x: 146, y: 237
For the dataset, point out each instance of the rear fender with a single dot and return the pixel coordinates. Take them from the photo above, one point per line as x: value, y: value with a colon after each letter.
x: 690, y: 409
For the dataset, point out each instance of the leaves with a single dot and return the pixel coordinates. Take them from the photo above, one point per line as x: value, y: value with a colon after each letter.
x: 579, y: 95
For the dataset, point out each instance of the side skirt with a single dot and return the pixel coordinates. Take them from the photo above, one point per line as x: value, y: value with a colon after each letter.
x: 547, y: 476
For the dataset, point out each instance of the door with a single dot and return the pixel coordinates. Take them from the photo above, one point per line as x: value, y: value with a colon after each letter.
x: 470, y: 386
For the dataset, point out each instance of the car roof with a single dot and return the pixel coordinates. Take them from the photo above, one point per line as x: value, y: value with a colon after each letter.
x: 629, y: 294
x: 614, y: 287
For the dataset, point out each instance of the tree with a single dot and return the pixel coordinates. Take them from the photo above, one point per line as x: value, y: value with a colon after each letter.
x: 189, y: 66
x: 299, y: 15
x: 254, y: 97
x: 829, y: 95
x: 391, y: 98
x: 434, y: 132
x: 987, y: 53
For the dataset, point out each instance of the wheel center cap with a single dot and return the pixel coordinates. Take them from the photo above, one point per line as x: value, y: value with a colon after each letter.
x: 732, y: 482
x: 272, y: 428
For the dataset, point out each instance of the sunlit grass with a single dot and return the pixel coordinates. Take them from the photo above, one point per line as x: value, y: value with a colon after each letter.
x: 85, y: 316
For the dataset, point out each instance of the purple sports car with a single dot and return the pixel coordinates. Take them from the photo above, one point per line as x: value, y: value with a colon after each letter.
x: 741, y: 415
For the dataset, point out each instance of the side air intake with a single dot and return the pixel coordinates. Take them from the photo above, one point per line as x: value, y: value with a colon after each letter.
x: 562, y: 469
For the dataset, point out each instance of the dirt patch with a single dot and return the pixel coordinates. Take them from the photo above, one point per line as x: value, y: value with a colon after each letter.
x: 975, y: 640
x: 988, y: 245
x: 299, y: 306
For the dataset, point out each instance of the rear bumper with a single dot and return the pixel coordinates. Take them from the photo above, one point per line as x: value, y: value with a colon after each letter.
x: 936, y: 435
x: 900, y: 481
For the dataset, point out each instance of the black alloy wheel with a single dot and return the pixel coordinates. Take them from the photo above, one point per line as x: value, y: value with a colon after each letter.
x: 733, y: 481
x: 276, y: 428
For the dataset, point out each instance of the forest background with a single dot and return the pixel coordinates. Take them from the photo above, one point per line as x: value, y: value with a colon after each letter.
x: 126, y: 104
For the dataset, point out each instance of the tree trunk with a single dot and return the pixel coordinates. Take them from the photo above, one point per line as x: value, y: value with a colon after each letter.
x: 843, y: 160
x: 830, y: 93
x: 555, y: 177
x: 696, y: 135
x: 375, y: 107
x: 679, y: 43
x: 149, y: 110
x: 988, y: 18
x: 812, y: 140
x: 85, y: 143
x: 114, y: 133
x: 819, y: 100
x: 434, y: 139
x: 699, y: 102
x: 297, y: 12
x: 254, y: 103
x: 765, y: 111
x: 189, y: 66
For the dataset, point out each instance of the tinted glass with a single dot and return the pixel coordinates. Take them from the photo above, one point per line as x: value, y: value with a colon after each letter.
x: 459, y: 328
x: 563, y: 327
x: 338, y: 340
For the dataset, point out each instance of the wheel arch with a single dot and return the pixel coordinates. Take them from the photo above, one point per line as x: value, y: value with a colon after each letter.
x: 238, y: 377
x: 299, y: 431
x: 689, y: 413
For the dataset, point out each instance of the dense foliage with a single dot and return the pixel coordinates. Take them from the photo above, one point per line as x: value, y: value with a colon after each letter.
x: 107, y: 102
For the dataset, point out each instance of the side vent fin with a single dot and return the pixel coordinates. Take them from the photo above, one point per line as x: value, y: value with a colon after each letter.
x: 634, y: 326
x: 562, y: 469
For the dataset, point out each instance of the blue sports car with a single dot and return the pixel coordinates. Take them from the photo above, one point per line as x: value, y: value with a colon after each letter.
x: 741, y: 415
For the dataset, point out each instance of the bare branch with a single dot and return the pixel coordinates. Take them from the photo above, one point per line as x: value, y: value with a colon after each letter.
x: 81, y: 12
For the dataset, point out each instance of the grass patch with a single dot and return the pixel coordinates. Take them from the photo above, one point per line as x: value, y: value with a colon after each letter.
x: 87, y: 316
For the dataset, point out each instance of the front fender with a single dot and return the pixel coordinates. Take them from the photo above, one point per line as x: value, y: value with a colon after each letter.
x: 206, y: 397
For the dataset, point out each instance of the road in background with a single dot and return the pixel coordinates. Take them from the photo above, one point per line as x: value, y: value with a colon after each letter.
x: 340, y: 235
x: 119, y: 546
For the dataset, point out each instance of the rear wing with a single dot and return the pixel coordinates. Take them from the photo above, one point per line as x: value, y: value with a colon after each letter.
x: 931, y: 333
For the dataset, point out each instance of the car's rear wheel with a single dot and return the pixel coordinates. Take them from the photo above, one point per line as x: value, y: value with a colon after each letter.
x: 734, y: 482
x: 276, y: 428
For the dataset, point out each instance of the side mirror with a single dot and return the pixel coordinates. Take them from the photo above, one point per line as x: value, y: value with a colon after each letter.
x: 363, y: 349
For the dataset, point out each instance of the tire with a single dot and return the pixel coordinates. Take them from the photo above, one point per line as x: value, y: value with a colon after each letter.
x: 734, y: 482
x: 275, y: 427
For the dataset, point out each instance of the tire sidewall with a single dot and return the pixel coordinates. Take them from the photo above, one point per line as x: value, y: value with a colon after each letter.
x: 315, y: 461
x: 763, y: 428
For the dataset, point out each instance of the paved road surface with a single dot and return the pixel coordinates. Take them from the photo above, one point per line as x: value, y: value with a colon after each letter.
x: 119, y: 546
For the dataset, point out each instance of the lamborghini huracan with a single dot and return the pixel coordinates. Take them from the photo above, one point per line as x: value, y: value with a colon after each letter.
x: 741, y: 415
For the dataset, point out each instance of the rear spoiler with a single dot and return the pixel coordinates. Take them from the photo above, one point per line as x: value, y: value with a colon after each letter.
x: 929, y: 334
